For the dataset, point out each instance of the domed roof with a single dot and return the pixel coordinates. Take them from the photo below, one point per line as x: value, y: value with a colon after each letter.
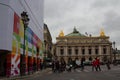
x: 75, y: 33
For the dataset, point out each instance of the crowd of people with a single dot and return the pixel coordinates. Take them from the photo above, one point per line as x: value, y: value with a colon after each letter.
x: 96, y: 64
x: 61, y: 65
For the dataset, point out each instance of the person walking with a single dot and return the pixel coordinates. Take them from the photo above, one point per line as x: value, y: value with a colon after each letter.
x: 62, y: 65
x: 94, y: 66
x: 53, y: 65
x: 82, y: 63
x: 97, y: 64
x: 57, y: 66
x: 108, y: 64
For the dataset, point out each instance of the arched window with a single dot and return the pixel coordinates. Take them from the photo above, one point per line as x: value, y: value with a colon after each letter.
x: 96, y: 51
x: 104, y: 50
x: 83, y: 51
x: 89, y: 51
x: 61, y: 51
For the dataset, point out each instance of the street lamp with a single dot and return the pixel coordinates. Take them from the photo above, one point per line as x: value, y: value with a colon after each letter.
x: 45, y: 47
x: 25, y: 20
x: 44, y: 59
x: 114, y: 50
x: 114, y: 45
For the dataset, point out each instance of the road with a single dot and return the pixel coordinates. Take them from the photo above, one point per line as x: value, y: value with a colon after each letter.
x: 87, y: 74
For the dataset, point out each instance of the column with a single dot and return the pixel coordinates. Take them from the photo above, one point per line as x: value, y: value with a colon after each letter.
x: 100, y: 50
x: 79, y: 51
x: 66, y: 51
x: 57, y: 51
x: 73, y: 51
x: 93, y: 50
x: 86, y: 50
x: 107, y: 50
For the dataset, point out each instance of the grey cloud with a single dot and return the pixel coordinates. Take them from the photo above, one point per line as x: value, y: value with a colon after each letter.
x: 112, y: 21
x: 58, y: 8
x: 87, y: 15
x: 112, y: 26
x: 105, y: 3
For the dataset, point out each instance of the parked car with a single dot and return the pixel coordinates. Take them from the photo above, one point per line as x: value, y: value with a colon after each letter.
x: 115, y: 62
x: 87, y: 63
x: 49, y: 63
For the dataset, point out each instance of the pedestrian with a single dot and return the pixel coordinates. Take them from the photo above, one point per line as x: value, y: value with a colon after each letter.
x: 62, y: 65
x: 57, y: 66
x: 41, y: 65
x: 74, y: 64
x: 82, y: 63
x: 94, y: 66
x: 108, y: 64
x: 69, y: 65
x: 77, y: 63
x: 97, y: 64
x: 53, y: 65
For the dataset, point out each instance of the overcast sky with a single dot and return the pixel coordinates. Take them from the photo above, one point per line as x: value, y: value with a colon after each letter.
x: 86, y: 15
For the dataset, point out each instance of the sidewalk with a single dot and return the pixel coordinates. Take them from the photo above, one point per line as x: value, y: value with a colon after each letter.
x: 26, y: 76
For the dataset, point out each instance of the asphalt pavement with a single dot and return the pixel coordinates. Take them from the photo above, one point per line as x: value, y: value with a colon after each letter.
x: 35, y: 74
x: 86, y: 74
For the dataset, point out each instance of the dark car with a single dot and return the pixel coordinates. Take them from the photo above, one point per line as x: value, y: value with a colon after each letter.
x: 48, y: 63
x: 115, y: 62
x: 87, y: 63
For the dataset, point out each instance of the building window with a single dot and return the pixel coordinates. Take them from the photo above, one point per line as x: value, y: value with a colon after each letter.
x: 61, y: 46
x: 69, y: 46
x: 76, y: 51
x: 83, y: 51
x: 61, y: 51
x: 69, y: 51
x: 104, y: 50
x: 89, y: 51
x: 96, y: 51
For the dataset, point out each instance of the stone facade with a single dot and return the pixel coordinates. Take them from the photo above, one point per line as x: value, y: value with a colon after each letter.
x: 75, y: 45
x: 47, y: 42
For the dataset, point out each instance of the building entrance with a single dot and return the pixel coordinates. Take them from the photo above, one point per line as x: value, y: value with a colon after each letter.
x: 3, y: 63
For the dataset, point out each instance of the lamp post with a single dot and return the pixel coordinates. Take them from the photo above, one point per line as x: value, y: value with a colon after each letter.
x: 25, y: 20
x: 45, y: 55
x: 114, y: 50
x: 45, y: 48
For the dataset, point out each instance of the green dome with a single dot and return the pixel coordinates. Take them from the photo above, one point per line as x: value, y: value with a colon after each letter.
x: 75, y: 33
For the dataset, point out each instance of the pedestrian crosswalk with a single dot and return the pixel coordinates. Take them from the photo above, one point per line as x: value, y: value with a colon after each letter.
x: 87, y: 69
